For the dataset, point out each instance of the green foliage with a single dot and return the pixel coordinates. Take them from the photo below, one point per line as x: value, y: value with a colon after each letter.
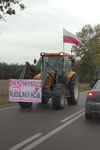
x: 10, y: 71
x: 82, y: 89
x: 5, y: 100
x: 6, y: 7
x: 88, y: 52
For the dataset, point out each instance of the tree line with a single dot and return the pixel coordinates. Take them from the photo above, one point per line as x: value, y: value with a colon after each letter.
x: 10, y: 70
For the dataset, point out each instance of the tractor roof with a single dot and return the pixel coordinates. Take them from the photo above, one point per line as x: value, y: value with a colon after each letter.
x: 55, y: 54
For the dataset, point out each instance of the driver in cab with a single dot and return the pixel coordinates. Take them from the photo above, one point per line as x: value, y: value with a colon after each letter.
x: 57, y: 65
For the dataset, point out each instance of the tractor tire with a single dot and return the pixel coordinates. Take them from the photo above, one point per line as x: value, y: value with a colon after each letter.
x: 58, y: 98
x: 44, y: 100
x: 25, y: 104
x: 74, y: 91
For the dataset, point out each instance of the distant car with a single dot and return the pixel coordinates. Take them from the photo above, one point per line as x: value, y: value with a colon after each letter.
x: 92, y: 104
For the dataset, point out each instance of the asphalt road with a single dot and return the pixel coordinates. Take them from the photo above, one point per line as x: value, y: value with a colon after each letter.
x: 42, y: 128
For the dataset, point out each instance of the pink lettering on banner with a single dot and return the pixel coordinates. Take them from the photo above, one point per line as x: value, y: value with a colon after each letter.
x: 24, y: 100
x: 38, y: 86
x: 25, y: 90
x: 15, y: 86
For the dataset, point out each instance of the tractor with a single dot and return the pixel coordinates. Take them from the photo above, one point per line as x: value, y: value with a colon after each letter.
x: 59, y: 82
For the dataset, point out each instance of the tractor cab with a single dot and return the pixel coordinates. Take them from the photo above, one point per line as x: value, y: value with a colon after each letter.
x: 61, y: 61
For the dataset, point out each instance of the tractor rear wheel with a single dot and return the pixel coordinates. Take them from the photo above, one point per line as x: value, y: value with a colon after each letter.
x: 58, y: 98
x: 25, y: 104
x: 74, y: 91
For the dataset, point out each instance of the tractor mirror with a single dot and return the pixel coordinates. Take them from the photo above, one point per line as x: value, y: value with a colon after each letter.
x: 35, y: 61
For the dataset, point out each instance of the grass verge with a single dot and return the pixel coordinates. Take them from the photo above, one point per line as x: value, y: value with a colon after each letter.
x: 82, y: 89
x: 4, y: 100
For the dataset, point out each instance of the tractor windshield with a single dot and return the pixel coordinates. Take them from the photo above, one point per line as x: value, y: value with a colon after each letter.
x: 57, y: 62
x: 53, y: 61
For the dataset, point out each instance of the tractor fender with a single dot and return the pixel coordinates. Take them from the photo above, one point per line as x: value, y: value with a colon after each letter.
x: 49, y: 81
x: 69, y: 76
x: 38, y: 76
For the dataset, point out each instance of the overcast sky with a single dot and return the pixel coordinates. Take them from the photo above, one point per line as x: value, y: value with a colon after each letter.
x: 40, y: 27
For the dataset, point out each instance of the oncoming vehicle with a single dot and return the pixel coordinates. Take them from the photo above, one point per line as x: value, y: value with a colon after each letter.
x: 92, y: 104
x: 58, y: 80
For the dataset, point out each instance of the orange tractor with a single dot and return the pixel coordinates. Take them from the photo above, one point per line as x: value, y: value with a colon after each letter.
x: 59, y: 82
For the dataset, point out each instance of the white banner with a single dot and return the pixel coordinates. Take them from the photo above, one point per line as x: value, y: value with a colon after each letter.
x: 24, y: 90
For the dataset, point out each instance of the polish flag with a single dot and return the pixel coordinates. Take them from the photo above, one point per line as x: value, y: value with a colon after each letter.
x: 70, y: 38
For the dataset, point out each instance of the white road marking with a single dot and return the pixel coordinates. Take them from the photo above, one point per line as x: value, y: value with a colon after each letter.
x: 25, y: 142
x: 43, y: 138
x: 72, y: 115
x: 8, y: 107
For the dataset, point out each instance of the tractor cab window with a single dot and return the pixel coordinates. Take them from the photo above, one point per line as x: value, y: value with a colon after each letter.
x: 54, y: 61
x: 67, y: 63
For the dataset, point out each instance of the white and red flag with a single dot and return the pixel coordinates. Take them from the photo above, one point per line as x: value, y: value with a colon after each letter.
x: 70, y: 38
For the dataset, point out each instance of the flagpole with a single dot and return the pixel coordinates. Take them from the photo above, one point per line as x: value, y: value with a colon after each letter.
x: 63, y: 46
x: 63, y: 40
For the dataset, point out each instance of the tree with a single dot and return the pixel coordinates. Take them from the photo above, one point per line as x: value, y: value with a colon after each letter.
x: 10, y: 71
x: 6, y: 7
x: 88, y: 51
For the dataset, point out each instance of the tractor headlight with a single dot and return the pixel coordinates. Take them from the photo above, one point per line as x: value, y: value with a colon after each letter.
x: 42, y: 54
x: 61, y: 53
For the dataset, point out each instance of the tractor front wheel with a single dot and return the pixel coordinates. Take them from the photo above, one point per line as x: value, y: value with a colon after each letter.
x: 58, y: 98
x: 25, y: 104
x: 74, y: 91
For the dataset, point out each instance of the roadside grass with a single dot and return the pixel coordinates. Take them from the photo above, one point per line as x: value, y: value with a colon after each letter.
x: 82, y: 89
x: 4, y: 99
